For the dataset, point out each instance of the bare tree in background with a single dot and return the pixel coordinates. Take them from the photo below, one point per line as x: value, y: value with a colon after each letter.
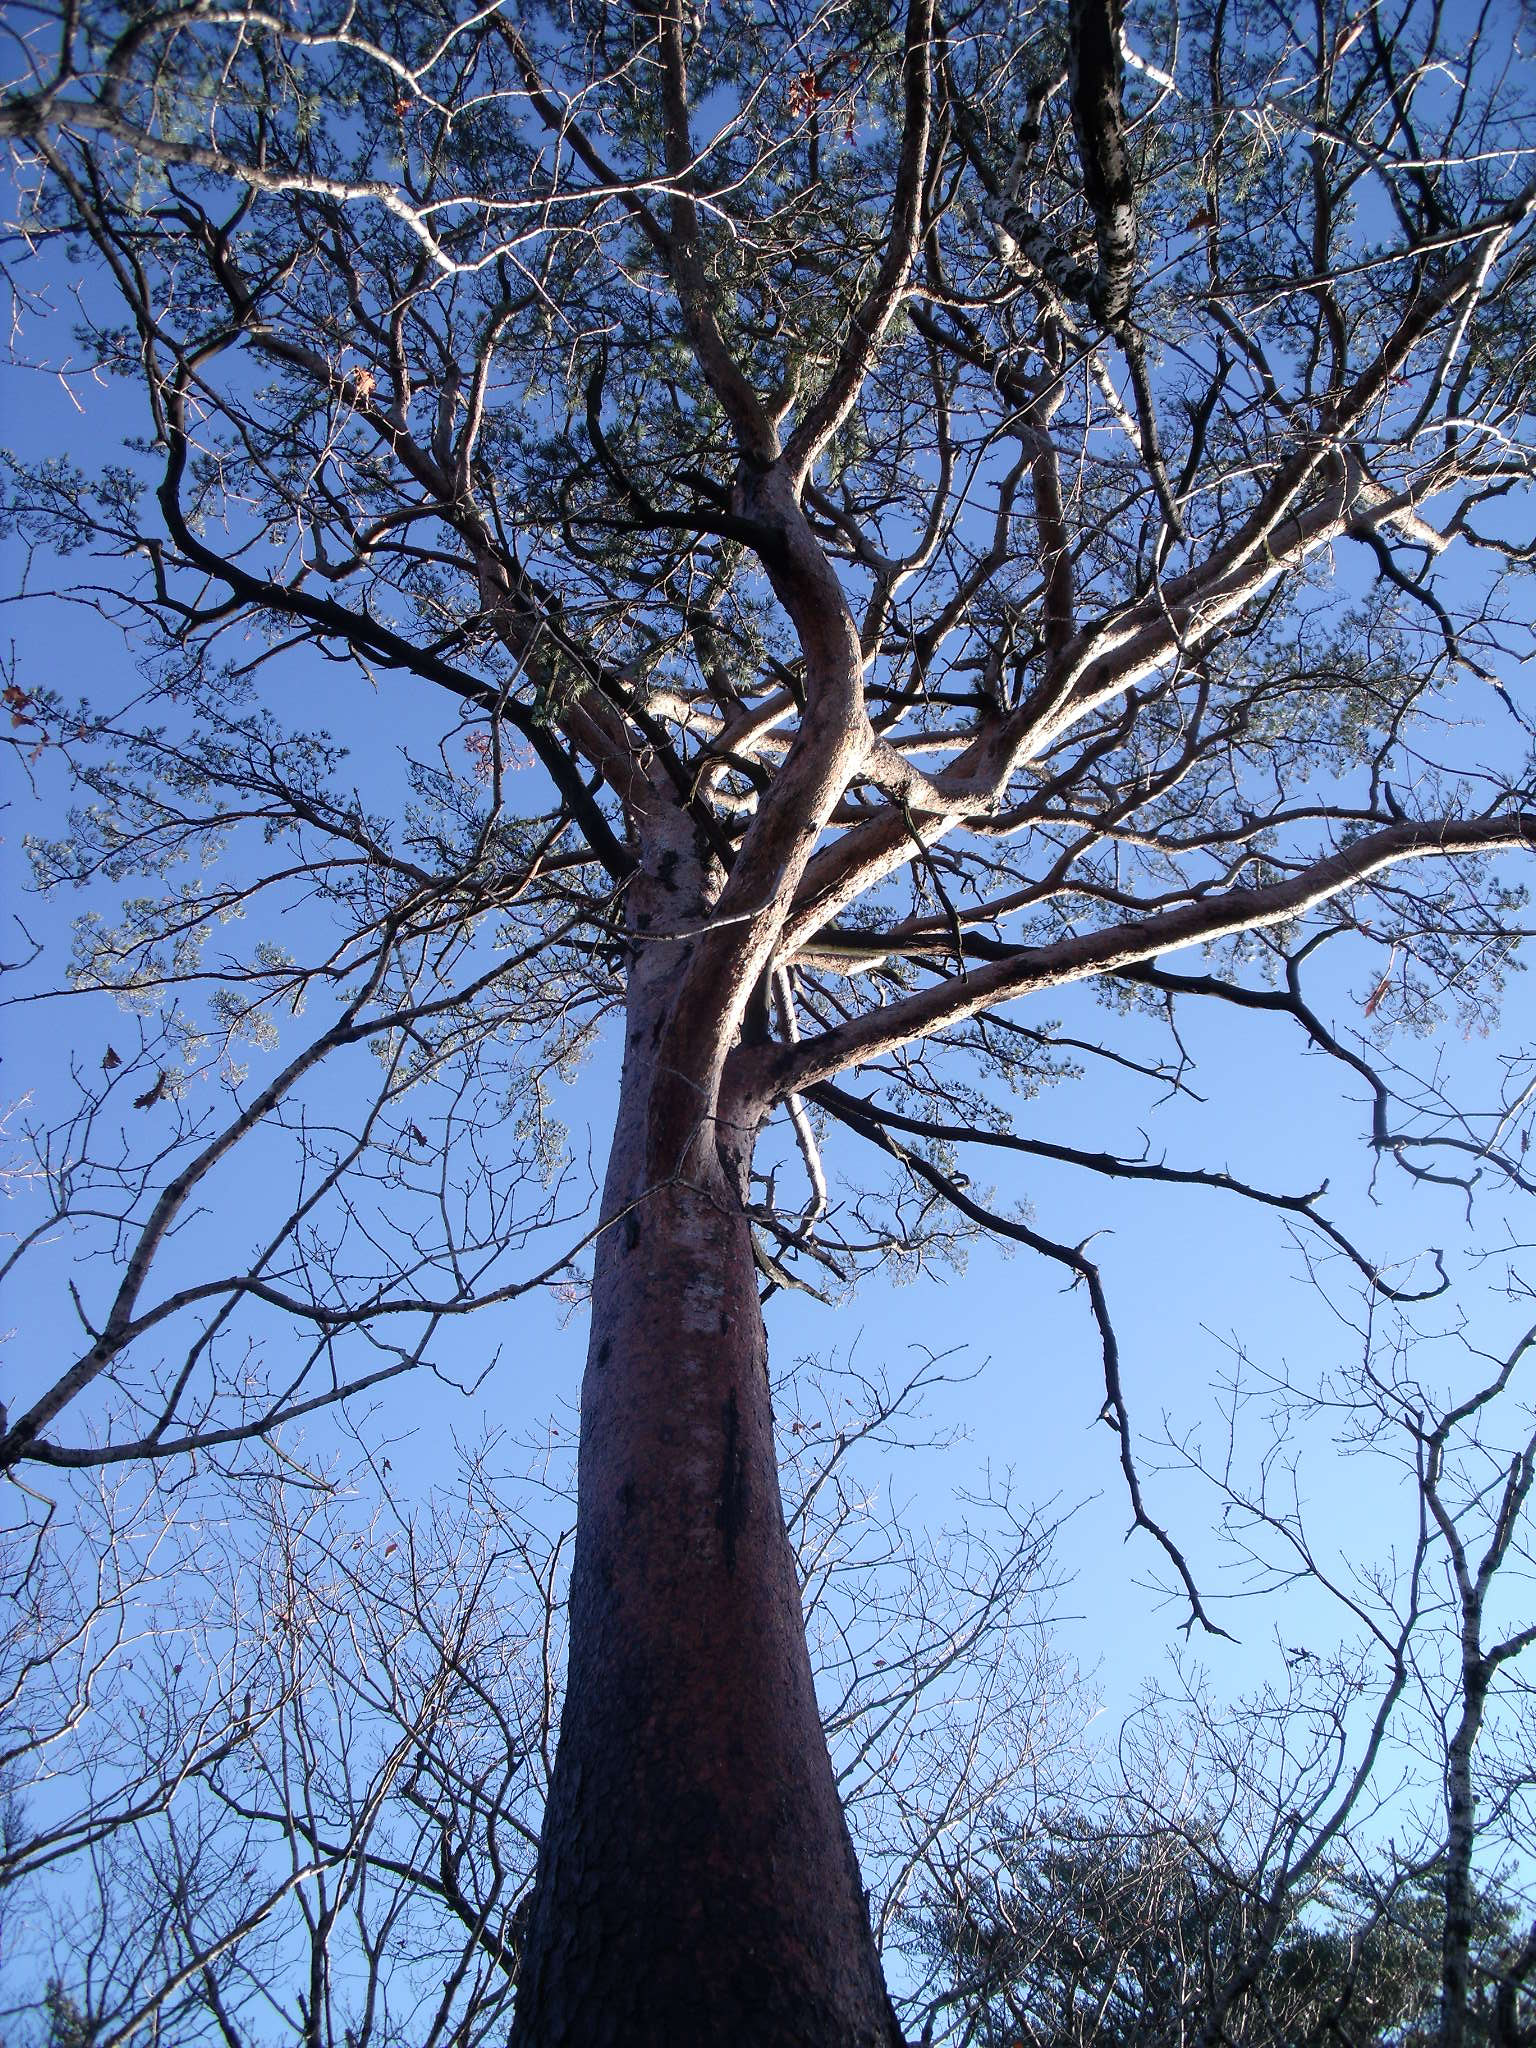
x: 1346, y: 1854
x: 1443, y: 1612
x: 851, y: 525
x: 1147, y: 1917
x: 307, y: 1733
x: 1388, y: 1775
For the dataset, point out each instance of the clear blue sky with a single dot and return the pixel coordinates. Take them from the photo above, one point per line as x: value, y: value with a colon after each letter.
x: 1184, y: 1267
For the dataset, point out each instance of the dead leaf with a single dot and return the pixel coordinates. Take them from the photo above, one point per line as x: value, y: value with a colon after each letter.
x: 152, y: 1095
x: 110, y: 1059
x: 1377, y: 995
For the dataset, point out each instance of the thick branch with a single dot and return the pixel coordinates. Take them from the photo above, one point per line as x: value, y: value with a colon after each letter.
x: 1115, y: 947
x: 872, y: 316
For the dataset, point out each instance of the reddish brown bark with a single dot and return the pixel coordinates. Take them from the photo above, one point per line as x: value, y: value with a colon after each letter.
x: 696, y: 1880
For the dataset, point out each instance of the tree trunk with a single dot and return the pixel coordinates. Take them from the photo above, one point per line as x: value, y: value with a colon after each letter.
x: 1461, y: 1839
x: 696, y: 1881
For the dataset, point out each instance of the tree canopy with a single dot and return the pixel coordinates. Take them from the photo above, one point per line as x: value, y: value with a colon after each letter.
x: 800, y: 530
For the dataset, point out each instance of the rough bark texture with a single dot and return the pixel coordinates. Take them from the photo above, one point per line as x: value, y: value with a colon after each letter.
x: 1461, y: 1842
x: 696, y: 1879
x: 1098, y: 116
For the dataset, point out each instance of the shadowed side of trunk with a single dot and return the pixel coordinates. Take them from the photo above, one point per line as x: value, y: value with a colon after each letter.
x: 1461, y: 1841
x: 696, y: 1879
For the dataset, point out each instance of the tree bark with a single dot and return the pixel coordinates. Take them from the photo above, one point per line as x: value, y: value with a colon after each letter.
x: 696, y: 1880
x: 1460, y: 1844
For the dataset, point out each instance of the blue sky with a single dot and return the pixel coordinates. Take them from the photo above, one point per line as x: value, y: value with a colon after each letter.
x: 1186, y: 1269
